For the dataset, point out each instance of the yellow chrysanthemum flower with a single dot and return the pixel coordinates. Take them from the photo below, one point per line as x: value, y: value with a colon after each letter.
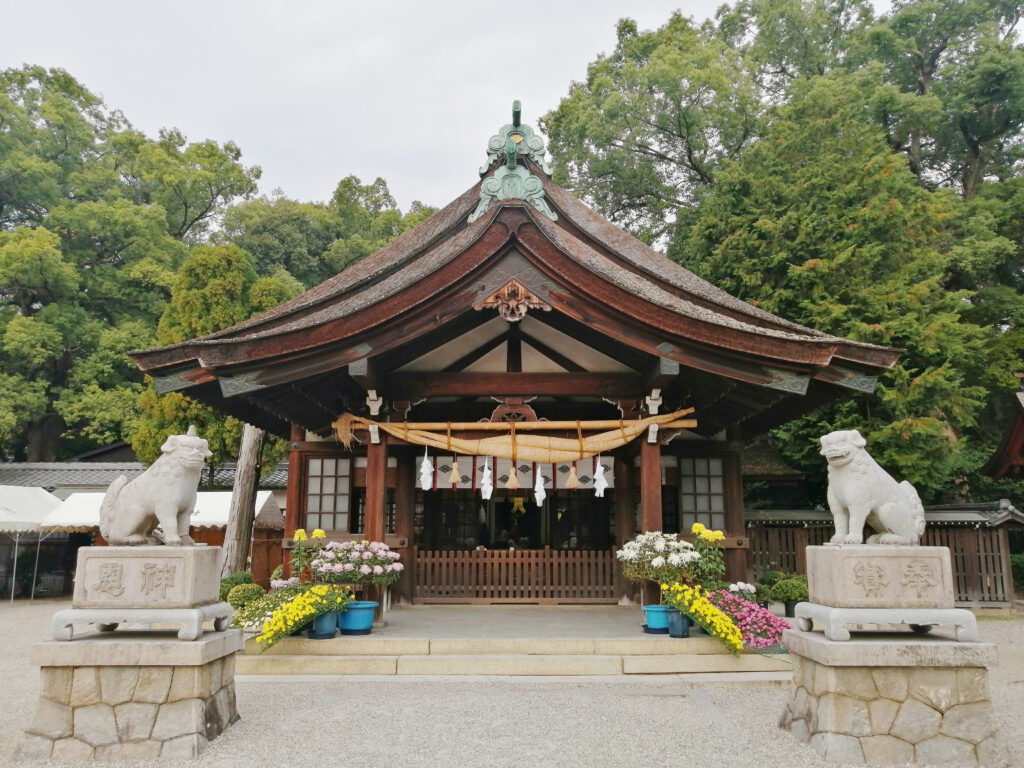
x: 319, y: 533
x: 299, y: 535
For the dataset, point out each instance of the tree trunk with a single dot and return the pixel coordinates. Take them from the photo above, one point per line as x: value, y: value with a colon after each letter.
x: 44, y: 437
x: 243, y: 502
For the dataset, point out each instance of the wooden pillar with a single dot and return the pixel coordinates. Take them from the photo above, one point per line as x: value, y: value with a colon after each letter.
x: 625, y: 515
x: 296, y: 482
x: 405, y: 503
x: 376, y: 489
x: 737, y: 561
x: 650, y: 486
x: 293, y: 500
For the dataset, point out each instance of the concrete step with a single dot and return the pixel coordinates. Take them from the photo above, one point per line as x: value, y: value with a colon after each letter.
x: 377, y: 645
x: 507, y: 663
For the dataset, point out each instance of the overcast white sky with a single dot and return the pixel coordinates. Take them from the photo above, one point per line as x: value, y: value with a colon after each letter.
x: 314, y: 91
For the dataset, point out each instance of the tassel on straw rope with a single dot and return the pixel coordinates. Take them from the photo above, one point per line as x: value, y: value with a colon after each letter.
x: 573, y: 481
x: 456, y: 477
x: 512, y: 483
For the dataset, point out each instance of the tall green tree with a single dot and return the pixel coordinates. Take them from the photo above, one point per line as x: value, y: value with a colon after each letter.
x: 822, y: 223
x: 216, y: 287
x: 93, y: 216
x: 653, y: 122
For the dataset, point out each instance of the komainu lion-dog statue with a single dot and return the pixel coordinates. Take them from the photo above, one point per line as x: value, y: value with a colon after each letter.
x: 860, y: 491
x: 164, y: 495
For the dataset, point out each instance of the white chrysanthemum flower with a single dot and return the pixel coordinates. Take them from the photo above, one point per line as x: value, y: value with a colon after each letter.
x: 657, y: 562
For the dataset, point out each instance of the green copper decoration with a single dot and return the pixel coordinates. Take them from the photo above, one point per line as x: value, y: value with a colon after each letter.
x: 526, y: 140
x: 513, y: 181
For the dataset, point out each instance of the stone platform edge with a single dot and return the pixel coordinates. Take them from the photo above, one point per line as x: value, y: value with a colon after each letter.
x: 889, y: 650
x: 130, y: 648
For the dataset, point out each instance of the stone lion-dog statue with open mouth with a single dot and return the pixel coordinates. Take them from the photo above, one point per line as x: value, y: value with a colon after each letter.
x: 860, y: 491
x: 164, y: 495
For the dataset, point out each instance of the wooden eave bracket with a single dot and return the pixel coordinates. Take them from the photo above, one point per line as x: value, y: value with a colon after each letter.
x: 176, y: 382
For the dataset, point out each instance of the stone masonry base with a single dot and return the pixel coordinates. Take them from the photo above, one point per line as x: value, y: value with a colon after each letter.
x: 882, y: 715
x: 117, y: 711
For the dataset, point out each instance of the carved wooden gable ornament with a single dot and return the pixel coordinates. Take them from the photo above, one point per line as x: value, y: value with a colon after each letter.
x: 512, y: 301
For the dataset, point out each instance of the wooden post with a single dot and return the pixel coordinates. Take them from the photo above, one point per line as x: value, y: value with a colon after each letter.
x: 405, y: 503
x: 294, y: 500
x: 737, y: 561
x: 625, y: 516
x: 650, y: 502
x: 242, y: 512
x: 376, y: 489
x: 650, y: 485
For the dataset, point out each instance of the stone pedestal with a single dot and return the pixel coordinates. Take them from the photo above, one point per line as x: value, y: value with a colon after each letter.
x: 145, y: 585
x: 885, y: 699
x: 132, y: 695
x: 880, y: 576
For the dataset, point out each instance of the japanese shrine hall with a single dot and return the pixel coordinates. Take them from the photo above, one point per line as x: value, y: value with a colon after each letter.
x: 516, y: 335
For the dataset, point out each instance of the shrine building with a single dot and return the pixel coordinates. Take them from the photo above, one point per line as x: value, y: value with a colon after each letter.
x: 516, y: 340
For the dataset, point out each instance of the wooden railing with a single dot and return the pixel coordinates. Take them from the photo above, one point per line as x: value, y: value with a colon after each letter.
x: 515, y: 576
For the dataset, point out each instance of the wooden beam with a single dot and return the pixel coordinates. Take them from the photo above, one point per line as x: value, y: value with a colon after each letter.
x: 416, y: 386
x: 475, y: 354
x: 514, y: 354
x: 404, y: 353
x: 662, y: 374
x: 633, y: 358
x: 364, y: 373
x: 554, y: 356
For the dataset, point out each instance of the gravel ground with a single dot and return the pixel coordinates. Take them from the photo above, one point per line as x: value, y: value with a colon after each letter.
x: 498, y: 721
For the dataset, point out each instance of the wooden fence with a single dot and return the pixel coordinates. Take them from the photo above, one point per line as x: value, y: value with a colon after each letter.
x: 515, y: 576
x: 980, y: 557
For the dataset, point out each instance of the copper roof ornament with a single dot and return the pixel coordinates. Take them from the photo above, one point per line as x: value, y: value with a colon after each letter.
x: 513, y: 181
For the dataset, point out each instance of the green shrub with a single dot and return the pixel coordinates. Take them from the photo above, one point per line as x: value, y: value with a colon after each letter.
x: 277, y: 574
x: 1017, y: 565
x: 236, y: 578
x: 771, y: 578
x: 794, y: 588
x: 241, y: 594
x: 763, y: 594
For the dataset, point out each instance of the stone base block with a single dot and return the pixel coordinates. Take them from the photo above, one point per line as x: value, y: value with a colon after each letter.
x: 920, y: 620
x: 880, y: 576
x: 108, y: 619
x: 146, y: 577
x: 95, y: 704
x: 886, y: 708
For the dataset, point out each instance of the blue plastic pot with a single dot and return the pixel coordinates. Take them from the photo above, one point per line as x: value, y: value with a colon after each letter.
x: 358, y: 618
x: 657, y: 619
x: 325, y: 626
x: 678, y: 624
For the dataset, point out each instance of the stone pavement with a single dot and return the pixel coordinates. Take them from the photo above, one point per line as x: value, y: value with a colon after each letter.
x: 498, y: 721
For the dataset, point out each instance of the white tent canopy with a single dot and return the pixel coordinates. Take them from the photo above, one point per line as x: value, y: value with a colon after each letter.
x: 23, y: 509
x: 81, y: 511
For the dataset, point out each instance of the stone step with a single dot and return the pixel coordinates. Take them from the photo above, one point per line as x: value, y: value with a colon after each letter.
x: 507, y: 664
x: 374, y: 645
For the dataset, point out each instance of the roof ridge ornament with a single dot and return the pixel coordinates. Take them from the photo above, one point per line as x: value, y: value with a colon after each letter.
x: 513, y: 181
x: 525, y: 139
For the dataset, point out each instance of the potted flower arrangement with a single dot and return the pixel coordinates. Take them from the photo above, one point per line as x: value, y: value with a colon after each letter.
x: 659, y: 557
x: 710, y: 566
x: 790, y: 591
x: 693, y: 601
x: 305, y: 607
x: 357, y: 562
x: 304, y: 549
